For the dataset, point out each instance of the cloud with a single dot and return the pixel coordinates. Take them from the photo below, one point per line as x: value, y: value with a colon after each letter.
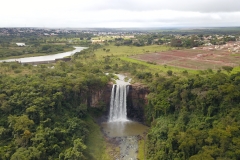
x: 119, y: 13
x: 178, y: 5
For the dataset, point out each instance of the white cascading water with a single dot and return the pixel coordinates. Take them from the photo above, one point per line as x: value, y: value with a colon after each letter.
x: 118, y: 101
x: 118, y: 125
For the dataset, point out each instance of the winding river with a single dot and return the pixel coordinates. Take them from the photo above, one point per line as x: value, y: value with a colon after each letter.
x: 45, y: 58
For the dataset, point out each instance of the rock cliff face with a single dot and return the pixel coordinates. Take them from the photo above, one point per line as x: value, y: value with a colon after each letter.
x: 136, y: 99
x: 101, y: 97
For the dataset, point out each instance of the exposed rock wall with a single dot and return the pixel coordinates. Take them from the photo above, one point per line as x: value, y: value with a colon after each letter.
x: 101, y: 97
x: 136, y: 99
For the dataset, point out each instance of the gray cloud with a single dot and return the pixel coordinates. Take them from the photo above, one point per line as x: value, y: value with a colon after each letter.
x: 120, y: 13
x: 179, y: 5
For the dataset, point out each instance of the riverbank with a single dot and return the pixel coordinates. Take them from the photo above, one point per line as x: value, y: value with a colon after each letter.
x: 96, y: 142
x: 125, y: 148
x: 36, y: 54
x: 45, y: 58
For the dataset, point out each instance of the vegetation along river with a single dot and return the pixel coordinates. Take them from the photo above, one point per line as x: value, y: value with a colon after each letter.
x: 45, y: 58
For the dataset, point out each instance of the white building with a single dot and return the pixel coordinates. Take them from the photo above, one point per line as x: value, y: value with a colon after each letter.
x: 20, y: 44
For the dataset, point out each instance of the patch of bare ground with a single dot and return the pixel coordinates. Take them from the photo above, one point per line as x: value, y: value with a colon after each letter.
x: 197, y: 58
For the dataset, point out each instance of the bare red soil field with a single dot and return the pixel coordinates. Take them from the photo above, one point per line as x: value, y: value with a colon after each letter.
x: 198, y: 58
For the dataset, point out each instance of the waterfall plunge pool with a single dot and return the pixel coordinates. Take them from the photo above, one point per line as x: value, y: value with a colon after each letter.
x: 123, y: 128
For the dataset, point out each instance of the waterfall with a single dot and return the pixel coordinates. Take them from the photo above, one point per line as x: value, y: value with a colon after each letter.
x: 118, y: 103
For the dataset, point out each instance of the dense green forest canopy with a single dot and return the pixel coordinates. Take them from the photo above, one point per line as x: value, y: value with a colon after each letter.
x: 194, y: 118
x: 44, y: 111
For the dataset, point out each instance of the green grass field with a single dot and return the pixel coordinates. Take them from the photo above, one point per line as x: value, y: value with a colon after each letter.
x: 124, y: 51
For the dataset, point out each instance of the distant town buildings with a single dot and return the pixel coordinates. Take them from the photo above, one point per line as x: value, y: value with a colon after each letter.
x: 97, y: 41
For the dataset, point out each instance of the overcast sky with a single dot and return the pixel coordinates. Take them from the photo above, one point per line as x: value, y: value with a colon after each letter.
x: 119, y: 13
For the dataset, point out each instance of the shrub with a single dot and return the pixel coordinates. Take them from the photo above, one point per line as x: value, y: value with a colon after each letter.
x: 185, y: 72
x: 169, y: 72
x: 17, y: 71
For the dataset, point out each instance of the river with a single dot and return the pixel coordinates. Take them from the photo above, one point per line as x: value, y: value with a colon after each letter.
x: 45, y: 58
x: 119, y: 130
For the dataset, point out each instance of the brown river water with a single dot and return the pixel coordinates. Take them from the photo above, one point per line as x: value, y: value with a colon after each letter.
x: 127, y: 134
x: 125, y: 128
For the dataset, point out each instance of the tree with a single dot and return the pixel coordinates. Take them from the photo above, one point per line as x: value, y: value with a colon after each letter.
x: 169, y: 72
x: 75, y: 152
x: 20, y: 123
x: 176, y: 43
x: 26, y: 154
x: 227, y: 68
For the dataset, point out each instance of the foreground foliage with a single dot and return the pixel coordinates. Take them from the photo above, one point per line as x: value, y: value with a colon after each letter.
x: 44, y: 114
x: 194, y: 118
